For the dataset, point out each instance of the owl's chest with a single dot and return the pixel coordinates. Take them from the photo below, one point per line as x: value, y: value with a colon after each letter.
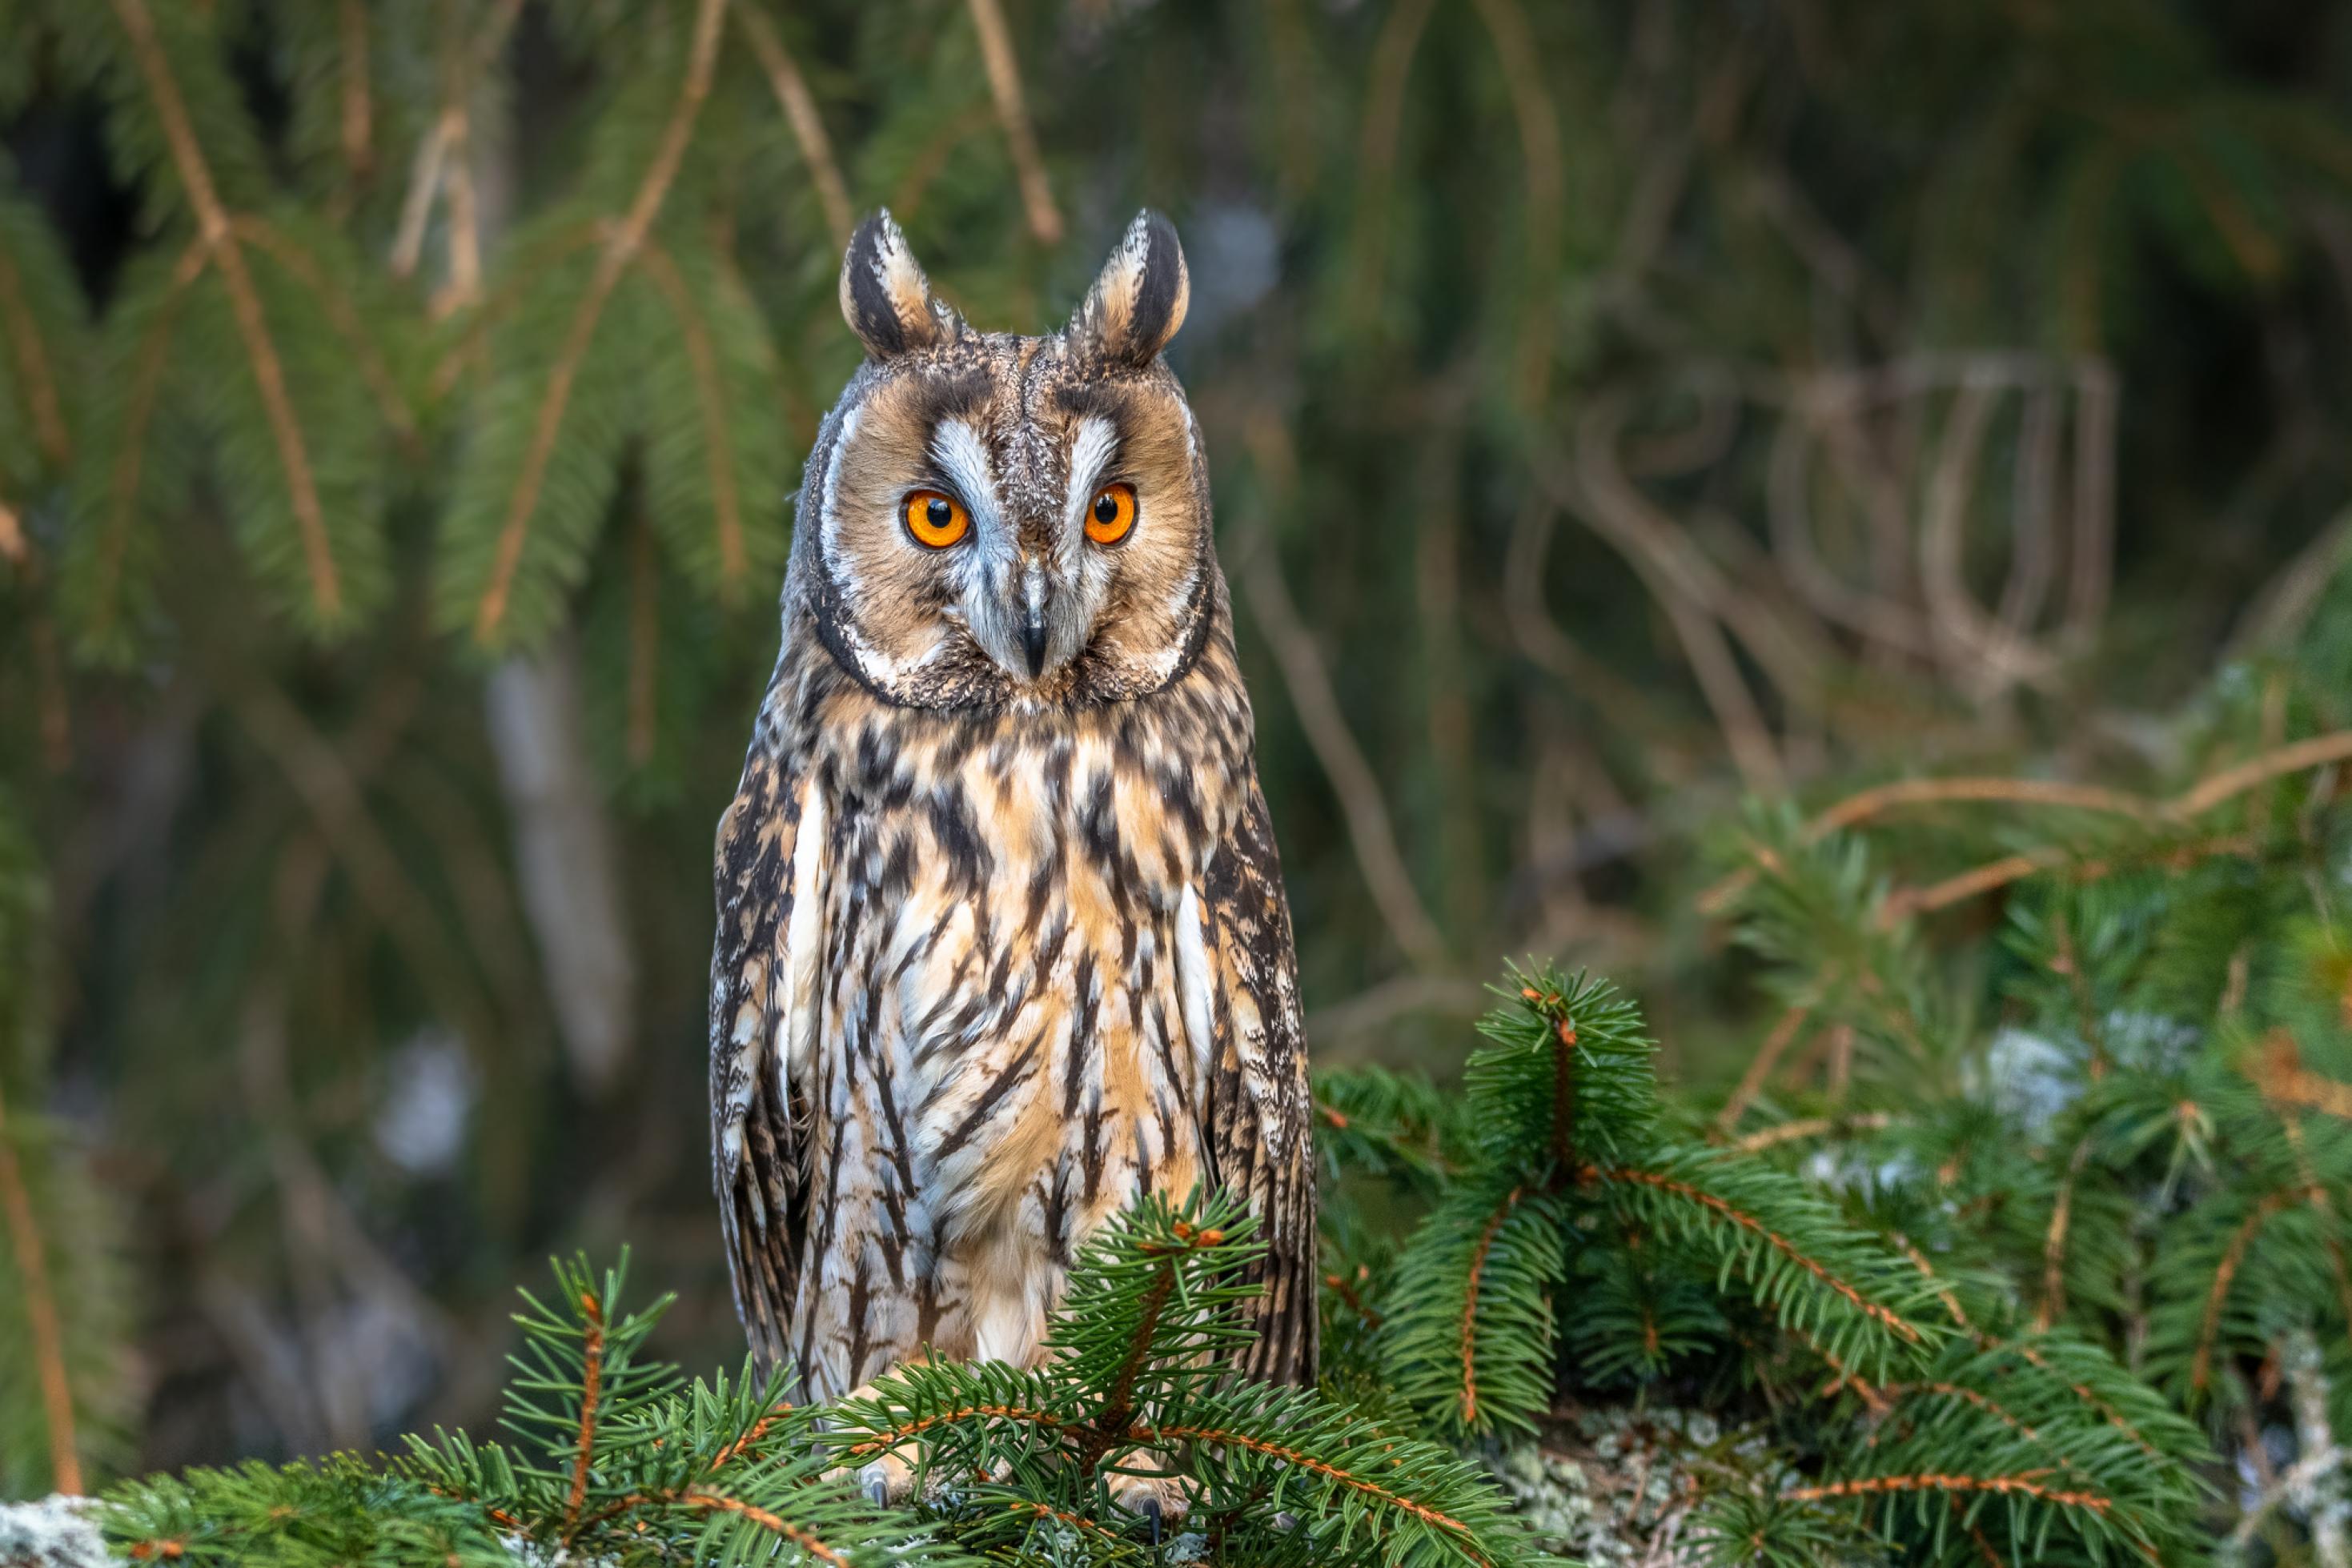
x: 1016, y: 1014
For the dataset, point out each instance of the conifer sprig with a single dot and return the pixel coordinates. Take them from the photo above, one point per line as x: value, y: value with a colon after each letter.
x: 1580, y: 1220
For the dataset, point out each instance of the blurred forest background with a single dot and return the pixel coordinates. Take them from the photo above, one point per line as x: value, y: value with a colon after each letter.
x: 1615, y: 410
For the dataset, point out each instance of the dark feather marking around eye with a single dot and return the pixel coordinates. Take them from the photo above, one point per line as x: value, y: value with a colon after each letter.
x: 1097, y: 399
x: 952, y: 395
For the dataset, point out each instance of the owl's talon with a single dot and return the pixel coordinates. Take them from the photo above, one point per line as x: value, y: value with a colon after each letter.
x: 887, y: 1480
x: 1158, y: 1500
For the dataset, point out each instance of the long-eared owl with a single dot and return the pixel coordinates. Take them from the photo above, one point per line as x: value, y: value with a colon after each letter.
x: 1002, y: 938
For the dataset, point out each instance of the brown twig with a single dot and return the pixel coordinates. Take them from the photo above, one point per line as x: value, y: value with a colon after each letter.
x: 2315, y: 752
x: 1813, y: 1127
x: 2026, y: 1484
x: 2202, y: 796
x: 146, y: 386
x: 1392, y: 54
x: 1760, y: 1067
x: 1229, y: 1439
x: 2053, y: 1245
x: 892, y: 1436
x: 1686, y: 587
x: 1748, y: 1222
x: 304, y: 269
x: 620, y: 250
x: 1300, y: 662
x: 774, y: 1524
x: 710, y: 399
x: 1013, y: 114
x: 793, y: 95
x: 244, y: 303
x: 1470, y: 1305
x: 592, y: 1383
x: 2232, y: 1255
x: 33, y: 366
x: 357, y: 123
x: 1118, y: 1398
x: 40, y: 1314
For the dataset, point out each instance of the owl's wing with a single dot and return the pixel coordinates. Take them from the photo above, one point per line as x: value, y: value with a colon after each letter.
x: 771, y: 898
x: 1260, y: 1144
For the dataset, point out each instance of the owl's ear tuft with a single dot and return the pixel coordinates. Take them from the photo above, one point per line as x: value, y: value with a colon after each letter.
x: 1138, y: 303
x: 885, y: 297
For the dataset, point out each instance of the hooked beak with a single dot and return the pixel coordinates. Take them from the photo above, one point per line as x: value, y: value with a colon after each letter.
x: 1037, y: 634
x: 1033, y: 641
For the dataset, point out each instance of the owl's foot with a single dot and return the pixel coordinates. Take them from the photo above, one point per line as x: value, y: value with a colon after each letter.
x: 887, y: 1480
x: 1161, y: 1501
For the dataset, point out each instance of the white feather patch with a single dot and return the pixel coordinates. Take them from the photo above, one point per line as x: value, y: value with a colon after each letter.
x: 1193, y: 981
x: 962, y: 455
x: 803, y: 944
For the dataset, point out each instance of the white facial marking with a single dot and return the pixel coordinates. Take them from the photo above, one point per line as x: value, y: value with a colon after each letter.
x: 962, y: 457
x: 1090, y: 452
x: 829, y: 506
x: 797, y: 1053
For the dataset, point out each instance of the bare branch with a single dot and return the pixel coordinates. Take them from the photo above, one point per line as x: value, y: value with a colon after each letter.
x: 799, y: 112
x: 1309, y: 682
x: 1013, y: 114
x: 40, y: 1313
x: 619, y: 251
x: 244, y: 303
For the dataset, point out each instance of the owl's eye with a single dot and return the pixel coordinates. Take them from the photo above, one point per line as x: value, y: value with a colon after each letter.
x: 935, y: 519
x: 1111, y: 514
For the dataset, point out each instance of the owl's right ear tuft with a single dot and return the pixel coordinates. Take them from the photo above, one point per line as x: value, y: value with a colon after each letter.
x: 885, y: 297
x: 1138, y: 302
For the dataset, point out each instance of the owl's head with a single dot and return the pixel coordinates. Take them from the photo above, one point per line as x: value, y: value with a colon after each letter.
x: 997, y: 521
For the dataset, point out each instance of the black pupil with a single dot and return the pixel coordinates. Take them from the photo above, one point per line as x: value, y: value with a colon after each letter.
x: 940, y: 514
x: 1106, y: 508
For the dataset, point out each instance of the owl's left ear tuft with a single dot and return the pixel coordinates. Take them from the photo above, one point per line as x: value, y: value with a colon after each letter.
x: 885, y: 297
x: 1138, y: 303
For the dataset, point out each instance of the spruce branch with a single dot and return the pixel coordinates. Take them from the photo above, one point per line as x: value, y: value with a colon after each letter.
x: 37, y: 360
x: 30, y: 1252
x: 99, y: 564
x: 793, y: 97
x: 710, y: 403
x: 301, y: 265
x: 1013, y: 115
x: 328, y: 588
x: 491, y: 599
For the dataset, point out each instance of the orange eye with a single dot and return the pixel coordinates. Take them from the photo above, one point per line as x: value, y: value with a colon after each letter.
x: 935, y: 519
x: 1111, y: 514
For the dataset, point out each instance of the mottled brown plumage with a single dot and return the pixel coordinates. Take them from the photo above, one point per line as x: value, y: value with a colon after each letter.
x: 1002, y: 936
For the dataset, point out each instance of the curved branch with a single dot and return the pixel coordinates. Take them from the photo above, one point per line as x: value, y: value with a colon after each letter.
x: 710, y: 395
x: 40, y: 1314
x: 282, y: 249
x: 33, y: 363
x: 1227, y: 1438
x: 1020, y: 136
x: 620, y: 250
x: 1478, y: 1255
x: 784, y: 80
x: 1748, y: 1222
x: 1369, y: 828
x: 146, y: 386
x: 268, y: 374
x: 1393, y: 53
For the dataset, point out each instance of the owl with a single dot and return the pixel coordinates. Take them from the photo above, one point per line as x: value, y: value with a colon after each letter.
x: 1002, y: 940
